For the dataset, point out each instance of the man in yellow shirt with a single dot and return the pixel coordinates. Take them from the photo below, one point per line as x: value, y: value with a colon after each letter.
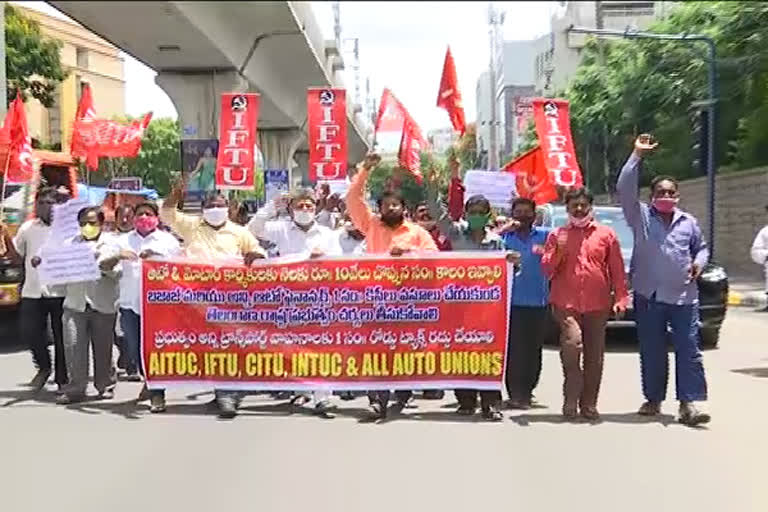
x: 212, y: 237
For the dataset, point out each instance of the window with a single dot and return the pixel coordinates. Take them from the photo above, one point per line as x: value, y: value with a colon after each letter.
x: 54, y: 120
x: 82, y: 57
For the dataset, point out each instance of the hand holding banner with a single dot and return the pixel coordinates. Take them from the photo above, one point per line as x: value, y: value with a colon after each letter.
x: 327, y: 125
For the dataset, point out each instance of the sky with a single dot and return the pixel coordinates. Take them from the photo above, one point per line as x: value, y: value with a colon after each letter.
x: 402, y: 46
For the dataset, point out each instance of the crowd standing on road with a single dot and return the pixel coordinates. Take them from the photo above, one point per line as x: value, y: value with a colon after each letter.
x: 576, y: 273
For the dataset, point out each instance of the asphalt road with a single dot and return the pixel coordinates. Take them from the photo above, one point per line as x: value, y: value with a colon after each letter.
x: 115, y: 456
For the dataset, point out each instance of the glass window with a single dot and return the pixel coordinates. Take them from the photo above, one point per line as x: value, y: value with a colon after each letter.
x: 82, y: 58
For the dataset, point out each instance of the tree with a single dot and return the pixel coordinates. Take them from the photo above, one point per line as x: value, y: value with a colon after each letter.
x: 33, y: 64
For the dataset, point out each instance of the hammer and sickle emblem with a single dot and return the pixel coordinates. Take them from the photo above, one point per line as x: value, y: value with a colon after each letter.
x: 327, y: 97
x: 550, y: 109
x: 239, y: 103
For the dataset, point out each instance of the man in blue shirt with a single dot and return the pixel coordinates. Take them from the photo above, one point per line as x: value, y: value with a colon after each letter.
x: 668, y: 257
x: 529, y: 315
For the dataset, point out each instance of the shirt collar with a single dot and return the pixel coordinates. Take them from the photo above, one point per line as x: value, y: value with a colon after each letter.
x: 676, y: 215
x: 314, y: 228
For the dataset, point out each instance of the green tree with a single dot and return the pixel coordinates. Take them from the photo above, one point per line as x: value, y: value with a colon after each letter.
x: 33, y: 65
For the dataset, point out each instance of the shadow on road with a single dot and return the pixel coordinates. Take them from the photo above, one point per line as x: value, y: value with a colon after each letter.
x: 526, y: 420
x: 761, y: 373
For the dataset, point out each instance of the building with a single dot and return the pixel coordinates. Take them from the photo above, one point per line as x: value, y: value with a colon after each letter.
x: 441, y: 139
x: 558, y: 53
x: 483, y: 99
x: 88, y: 59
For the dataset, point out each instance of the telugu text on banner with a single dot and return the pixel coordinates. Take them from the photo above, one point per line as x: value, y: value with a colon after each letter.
x: 371, y: 323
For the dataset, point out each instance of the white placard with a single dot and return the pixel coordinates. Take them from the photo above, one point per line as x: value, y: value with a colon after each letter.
x: 64, y: 222
x: 67, y: 263
x: 497, y: 187
x: 337, y: 187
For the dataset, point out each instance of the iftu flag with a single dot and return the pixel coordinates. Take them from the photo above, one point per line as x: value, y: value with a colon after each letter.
x: 412, y: 143
x: 449, y: 96
x: 16, y: 144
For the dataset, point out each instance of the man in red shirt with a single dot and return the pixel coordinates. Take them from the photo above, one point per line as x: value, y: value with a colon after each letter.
x: 588, y: 282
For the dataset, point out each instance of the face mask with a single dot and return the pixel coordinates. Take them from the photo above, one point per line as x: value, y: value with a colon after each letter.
x: 303, y: 217
x: 477, y: 221
x: 145, y: 224
x: 216, y: 216
x: 665, y: 204
x: 580, y: 222
x: 90, y: 231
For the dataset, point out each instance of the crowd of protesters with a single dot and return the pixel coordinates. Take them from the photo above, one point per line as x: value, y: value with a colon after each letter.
x: 574, y: 274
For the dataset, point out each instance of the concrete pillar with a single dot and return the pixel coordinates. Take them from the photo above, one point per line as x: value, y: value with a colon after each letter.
x: 197, y: 97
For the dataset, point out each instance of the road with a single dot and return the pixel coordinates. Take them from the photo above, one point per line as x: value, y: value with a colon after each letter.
x: 86, y: 458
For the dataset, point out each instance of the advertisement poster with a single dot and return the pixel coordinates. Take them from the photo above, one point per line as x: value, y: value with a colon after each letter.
x: 427, y: 322
x: 198, y: 161
x: 275, y: 183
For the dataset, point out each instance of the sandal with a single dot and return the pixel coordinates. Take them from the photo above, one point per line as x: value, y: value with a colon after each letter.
x: 465, y: 411
x: 649, y: 409
x: 492, y: 414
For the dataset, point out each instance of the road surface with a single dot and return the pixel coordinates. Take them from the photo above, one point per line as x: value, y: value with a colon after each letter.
x: 114, y: 456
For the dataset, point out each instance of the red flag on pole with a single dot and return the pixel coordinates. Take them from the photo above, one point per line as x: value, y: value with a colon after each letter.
x: 412, y: 143
x: 391, y: 113
x: 17, y: 144
x: 327, y: 126
x: 532, y: 179
x: 449, y: 96
x: 553, y: 128
x: 85, y: 109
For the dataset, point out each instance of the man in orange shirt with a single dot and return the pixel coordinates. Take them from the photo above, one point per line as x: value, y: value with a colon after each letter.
x: 386, y: 233
x: 583, y: 260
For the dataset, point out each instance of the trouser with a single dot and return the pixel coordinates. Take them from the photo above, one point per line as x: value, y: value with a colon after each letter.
x: 34, y: 314
x: 81, y: 330
x: 467, y: 398
x: 527, y: 330
x: 382, y: 397
x: 581, y: 332
x: 120, y: 344
x: 130, y: 324
x: 652, y: 320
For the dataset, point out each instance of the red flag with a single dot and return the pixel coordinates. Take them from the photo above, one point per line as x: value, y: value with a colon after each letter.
x: 449, y: 96
x: 94, y: 138
x: 237, y: 139
x: 327, y: 125
x: 16, y: 144
x: 532, y: 179
x: 412, y: 143
x: 391, y: 115
x: 85, y: 109
x: 553, y: 128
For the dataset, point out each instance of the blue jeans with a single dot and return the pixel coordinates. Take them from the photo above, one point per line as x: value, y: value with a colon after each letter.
x: 683, y: 320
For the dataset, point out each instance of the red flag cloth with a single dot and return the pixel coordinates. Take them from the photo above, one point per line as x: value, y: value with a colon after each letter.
x: 553, y: 128
x: 94, y: 138
x: 449, y: 96
x: 16, y: 144
x: 532, y: 179
x: 327, y: 125
x: 391, y: 114
x: 456, y: 191
x: 237, y: 140
x: 85, y: 110
x: 412, y: 144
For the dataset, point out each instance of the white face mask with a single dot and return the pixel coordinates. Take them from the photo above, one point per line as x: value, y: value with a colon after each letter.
x: 303, y: 217
x: 216, y: 216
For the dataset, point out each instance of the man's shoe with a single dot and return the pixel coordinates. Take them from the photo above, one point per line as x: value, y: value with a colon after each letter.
x: 38, y: 382
x: 227, y: 407
x: 323, y: 410
x: 492, y: 414
x: 762, y: 310
x: 570, y: 411
x: 433, y: 394
x: 590, y: 413
x: 144, y: 394
x: 66, y: 399
x: 157, y: 403
x: 347, y: 395
x: 132, y: 376
x: 691, y: 416
x: 376, y: 412
x: 465, y: 410
x: 649, y: 409
x: 107, y: 394
x: 300, y: 399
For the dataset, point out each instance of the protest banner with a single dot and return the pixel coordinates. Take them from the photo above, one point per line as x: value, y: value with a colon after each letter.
x: 67, y: 263
x: 327, y: 126
x: 553, y: 127
x: 436, y: 321
x: 497, y: 187
x: 64, y: 223
x: 235, y: 164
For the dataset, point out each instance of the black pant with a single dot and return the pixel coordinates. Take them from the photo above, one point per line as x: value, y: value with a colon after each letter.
x: 467, y: 398
x: 382, y: 397
x: 527, y: 330
x: 34, y: 314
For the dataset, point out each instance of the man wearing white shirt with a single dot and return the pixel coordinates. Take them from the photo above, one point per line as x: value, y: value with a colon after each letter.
x: 40, y: 303
x: 145, y: 241
x: 300, y: 234
x: 759, y: 255
x: 351, y: 239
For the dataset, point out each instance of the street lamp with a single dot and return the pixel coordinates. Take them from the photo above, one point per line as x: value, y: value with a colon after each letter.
x: 710, y: 103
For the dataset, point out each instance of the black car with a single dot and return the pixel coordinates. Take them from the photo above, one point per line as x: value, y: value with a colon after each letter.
x: 713, y: 282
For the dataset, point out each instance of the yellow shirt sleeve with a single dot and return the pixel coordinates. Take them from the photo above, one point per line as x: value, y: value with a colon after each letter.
x: 248, y: 243
x: 181, y: 223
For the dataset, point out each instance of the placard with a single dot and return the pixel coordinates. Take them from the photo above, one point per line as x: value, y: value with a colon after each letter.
x: 67, y: 263
x: 497, y: 187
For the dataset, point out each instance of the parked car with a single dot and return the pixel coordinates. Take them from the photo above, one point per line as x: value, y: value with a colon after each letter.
x: 713, y: 282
